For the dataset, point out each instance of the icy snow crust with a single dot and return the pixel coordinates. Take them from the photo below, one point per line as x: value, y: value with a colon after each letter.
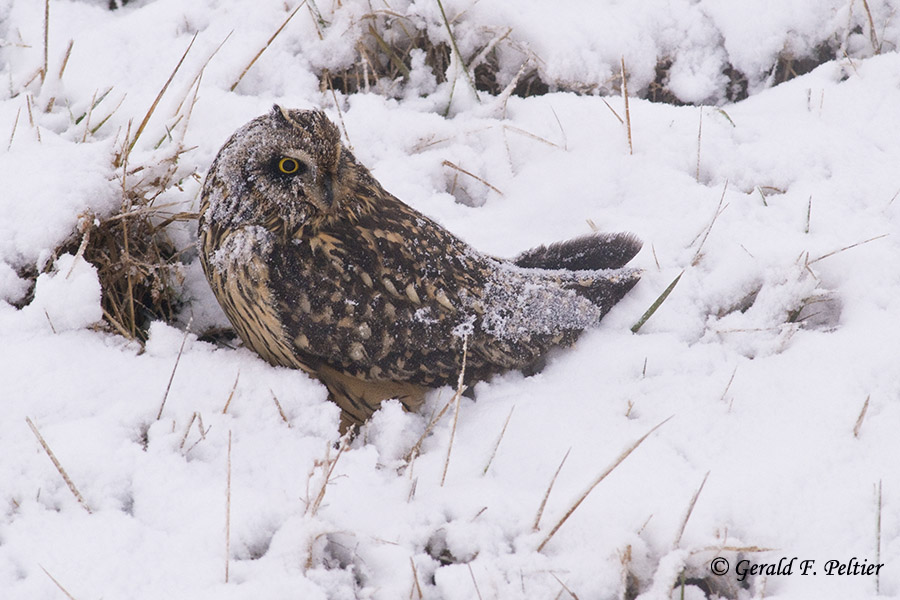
x: 775, y: 354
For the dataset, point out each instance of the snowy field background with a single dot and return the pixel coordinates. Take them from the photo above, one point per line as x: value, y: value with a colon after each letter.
x: 776, y: 355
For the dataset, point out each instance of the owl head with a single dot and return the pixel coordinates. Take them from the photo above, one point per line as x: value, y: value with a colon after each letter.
x: 281, y: 166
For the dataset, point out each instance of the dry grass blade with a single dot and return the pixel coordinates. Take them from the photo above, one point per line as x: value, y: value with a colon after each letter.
x: 199, y: 74
x: 231, y: 394
x: 613, y: 111
x: 540, y: 511
x: 162, y: 405
x: 187, y: 430
x: 873, y: 35
x: 690, y: 510
x: 833, y: 252
x: 447, y: 163
x: 728, y: 385
x: 329, y: 463
x: 65, y: 60
x: 456, y: 51
x: 46, y: 67
x: 12, y: 134
x: 337, y: 106
x: 656, y: 304
x: 460, y: 388
x: 417, y: 588
x: 808, y: 215
x: 538, y: 138
x: 267, y: 44
x: 159, y: 96
x: 564, y: 587
x: 57, y: 583
x: 699, y: 141
x: 705, y: 234
x: 627, y: 109
x: 862, y: 415
x: 499, y: 439
x: 625, y: 453
x: 392, y: 56
x: 280, y: 409
x: 475, y: 583
x: 58, y: 466
x: 417, y: 447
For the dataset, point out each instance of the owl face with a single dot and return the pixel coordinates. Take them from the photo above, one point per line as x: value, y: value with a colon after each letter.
x: 280, y: 166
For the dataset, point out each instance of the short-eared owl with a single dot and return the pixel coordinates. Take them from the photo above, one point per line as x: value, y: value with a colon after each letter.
x: 319, y: 268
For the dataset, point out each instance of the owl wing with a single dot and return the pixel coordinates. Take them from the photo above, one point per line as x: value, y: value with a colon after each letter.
x: 380, y: 298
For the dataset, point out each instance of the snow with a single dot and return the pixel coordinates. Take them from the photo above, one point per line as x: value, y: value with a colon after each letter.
x: 764, y: 204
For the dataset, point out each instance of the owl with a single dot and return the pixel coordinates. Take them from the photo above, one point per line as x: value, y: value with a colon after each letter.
x: 319, y: 268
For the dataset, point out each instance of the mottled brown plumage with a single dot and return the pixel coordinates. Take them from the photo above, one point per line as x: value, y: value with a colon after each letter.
x: 319, y: 268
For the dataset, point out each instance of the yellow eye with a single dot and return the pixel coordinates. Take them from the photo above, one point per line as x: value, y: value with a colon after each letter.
x: 288, y: 166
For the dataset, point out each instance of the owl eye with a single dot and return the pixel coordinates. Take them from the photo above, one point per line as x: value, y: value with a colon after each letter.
x: 290, y: 166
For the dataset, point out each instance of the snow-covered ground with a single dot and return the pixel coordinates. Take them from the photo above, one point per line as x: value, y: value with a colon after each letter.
x: 763, y: 204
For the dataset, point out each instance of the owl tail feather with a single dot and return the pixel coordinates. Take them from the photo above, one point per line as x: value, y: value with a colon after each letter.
x: 605, y: 252
x: 592, y: 252
x: 604, y: 290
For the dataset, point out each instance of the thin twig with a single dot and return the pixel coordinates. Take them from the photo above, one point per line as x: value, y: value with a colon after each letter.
x: 58, y: 466
x: 625, y: 453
